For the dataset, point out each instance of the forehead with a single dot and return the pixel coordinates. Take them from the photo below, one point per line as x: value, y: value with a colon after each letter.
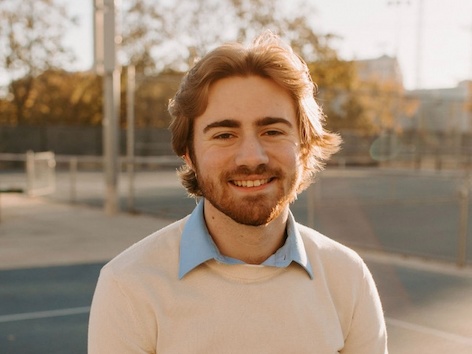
x: 246, y: 98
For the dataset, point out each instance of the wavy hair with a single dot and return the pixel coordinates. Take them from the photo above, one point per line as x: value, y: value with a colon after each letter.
x: 267, y: 57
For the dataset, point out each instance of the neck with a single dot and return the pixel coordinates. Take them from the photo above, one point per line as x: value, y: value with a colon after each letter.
x: 250, y: 244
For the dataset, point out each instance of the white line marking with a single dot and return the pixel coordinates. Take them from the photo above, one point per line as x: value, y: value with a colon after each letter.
x: 431, y: 331
x: 390, y: 321
x: 43, y: 314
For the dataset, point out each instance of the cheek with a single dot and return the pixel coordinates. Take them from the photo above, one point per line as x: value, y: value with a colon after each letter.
x: 210, y: 160
x: 288, y: 154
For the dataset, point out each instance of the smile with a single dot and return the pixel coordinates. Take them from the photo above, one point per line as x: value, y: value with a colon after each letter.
x: 249, y: 184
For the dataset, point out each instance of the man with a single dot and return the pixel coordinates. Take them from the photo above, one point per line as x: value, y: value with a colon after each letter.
x: 239, y: 275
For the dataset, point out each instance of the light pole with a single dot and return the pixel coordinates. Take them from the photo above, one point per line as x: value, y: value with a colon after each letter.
x: 105, y: 65
x: 419, y: 44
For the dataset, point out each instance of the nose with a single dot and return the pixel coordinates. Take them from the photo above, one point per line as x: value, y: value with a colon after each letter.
x: 251, y: 153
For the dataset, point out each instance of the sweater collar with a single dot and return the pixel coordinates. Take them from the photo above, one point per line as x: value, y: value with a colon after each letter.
x: 197, y: 246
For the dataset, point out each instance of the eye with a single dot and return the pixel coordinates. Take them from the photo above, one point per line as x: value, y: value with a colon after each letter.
x: 223, y: 136
x: 273, y: 132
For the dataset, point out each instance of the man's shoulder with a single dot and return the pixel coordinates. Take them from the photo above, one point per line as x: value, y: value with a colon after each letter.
x: 340, y: 266
x: 329, y: 251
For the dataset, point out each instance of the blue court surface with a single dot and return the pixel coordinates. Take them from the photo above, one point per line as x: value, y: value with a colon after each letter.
x: 45, y: 310
x: 406, y: 226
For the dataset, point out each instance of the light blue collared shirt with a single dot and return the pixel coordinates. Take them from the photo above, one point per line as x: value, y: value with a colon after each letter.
x: 197, y: 246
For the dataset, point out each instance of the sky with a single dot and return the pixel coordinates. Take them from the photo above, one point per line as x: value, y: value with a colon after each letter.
x: 368, y: 29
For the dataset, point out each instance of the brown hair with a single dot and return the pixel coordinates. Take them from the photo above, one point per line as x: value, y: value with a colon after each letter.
x: 267, y: 57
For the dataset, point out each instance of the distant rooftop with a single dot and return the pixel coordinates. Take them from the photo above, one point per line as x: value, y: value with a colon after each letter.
x: 384, y: 69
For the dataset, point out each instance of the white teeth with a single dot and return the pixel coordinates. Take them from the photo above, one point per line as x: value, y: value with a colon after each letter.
x: 249, y: 184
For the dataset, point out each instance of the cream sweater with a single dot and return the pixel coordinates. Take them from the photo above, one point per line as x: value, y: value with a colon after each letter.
x: 140, y: 305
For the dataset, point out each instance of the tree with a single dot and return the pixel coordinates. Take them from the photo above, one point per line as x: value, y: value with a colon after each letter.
x: 57, y: 97
x: 164, y: 38
x: 171, y: 35
x: 366, y: 105
x: 158, y: 36
x: 142, y: 32
x: 31, y: 33
x: 67, y: 98
x: 292, y: 20
x: 152, y: 98
x: 339, y: 96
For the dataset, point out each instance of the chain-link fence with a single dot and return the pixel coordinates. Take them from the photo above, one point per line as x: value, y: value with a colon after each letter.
x: 422, y: 213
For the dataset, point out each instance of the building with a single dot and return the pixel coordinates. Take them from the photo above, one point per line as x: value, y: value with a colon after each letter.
x: 382, y: 69
x: 444, y: 110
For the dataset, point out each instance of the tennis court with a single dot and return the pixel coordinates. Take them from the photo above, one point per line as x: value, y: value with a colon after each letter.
x: 404, y: 224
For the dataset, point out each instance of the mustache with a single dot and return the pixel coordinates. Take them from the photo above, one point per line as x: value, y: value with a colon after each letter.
x: 259, y: 170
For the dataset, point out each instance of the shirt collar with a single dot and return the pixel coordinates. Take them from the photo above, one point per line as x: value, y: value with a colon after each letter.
x: 197, y: 246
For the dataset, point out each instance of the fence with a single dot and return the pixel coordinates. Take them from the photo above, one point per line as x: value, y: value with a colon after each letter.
x: 421, y: 213
x: 409, y: 149
x: 39, y: 172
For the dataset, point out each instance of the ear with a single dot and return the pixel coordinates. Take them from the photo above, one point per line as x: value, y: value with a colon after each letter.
x: 188, y: 160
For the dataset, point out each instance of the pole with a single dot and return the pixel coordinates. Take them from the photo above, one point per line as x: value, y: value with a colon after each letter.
x: 313, y: 197
x: 464, y: 222
x: 130, y: 92
x: 419, y: 44
x: 73, y: 179
x: 110, y: 140
x: 105, y: 64
x: 30, y: 172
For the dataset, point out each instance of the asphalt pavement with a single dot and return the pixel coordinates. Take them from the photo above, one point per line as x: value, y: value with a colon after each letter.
x: 51, y: 253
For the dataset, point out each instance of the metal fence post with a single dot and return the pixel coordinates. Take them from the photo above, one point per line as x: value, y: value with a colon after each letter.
x: 130, y: 118
x: 73, y: 179
x: 463, y: 222
x: 29, y: 172
x: 313, y: 195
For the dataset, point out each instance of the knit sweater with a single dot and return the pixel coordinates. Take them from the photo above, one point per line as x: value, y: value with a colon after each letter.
x: 141, y: 306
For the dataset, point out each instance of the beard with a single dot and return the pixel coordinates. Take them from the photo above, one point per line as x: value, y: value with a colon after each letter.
x: 253, y: 210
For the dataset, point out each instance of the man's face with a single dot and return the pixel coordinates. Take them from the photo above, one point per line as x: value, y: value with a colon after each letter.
x: 247, y: 149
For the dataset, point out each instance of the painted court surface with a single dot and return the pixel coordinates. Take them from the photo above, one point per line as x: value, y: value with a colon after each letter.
x: 51, y: 253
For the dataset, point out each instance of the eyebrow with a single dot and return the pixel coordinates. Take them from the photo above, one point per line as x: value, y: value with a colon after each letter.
x: 231, y: 123
x: 225, y: 123
x: 272, y: 120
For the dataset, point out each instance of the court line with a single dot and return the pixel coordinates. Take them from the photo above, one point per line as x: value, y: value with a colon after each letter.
x: 421, y: 263
x: 390, y: 321
x: 44, y: 314
x: 430, y: 331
